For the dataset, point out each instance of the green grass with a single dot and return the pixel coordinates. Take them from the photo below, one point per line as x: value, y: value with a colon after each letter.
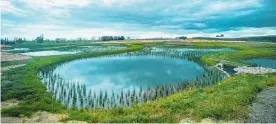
x: 9, y: 63
x: 226, y: 100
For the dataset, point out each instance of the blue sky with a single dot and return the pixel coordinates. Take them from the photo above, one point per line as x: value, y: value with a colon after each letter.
x: 137, y: 18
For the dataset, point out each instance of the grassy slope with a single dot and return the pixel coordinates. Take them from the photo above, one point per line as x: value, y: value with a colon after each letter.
x: 227, y: 100
x: 9, y: 63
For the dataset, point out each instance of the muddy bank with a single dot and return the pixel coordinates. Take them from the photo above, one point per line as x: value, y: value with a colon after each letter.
x: 9, y: 103
x: 12, y: 57
x: 39, y: 117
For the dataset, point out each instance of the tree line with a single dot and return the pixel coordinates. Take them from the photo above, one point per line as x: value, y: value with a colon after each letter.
x: 41, y: 39
x: 109, y: 38
x: 13, y: 41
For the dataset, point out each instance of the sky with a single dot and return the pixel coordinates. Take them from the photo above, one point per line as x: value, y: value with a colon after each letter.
x: 137, y: 18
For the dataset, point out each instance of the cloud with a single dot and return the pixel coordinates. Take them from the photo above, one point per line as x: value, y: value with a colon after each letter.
x: 31, y: 31
x: 200, y: 25
x: 137, y: 18
x: 7, y: 7
x: 48, y: 4
x: 250, y: 31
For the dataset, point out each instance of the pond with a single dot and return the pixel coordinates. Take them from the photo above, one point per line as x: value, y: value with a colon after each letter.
x: 127, y: 78
x: 185, y: 50
x: 116, y: 73
x: 16, y: 49
x: 270, y: 63
x: 48, y: 53
x: 70, y: 50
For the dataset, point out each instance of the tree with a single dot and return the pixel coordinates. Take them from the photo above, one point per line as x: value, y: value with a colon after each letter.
x: 40, y: 39
x: 181, y: 38
x: 221, y: 35
x: 19, y: 40
x: 122, y: 38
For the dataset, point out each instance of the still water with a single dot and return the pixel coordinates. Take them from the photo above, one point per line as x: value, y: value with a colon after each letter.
x: 270, y: 63
x: 128, y: 72
x: 47, y: 53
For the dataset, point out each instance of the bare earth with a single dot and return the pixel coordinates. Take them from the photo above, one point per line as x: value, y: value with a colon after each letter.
x: 12, y: 57
x: 9, y: 103
x: 39, y: 117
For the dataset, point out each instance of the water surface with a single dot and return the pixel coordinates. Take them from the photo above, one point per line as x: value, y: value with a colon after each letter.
x: 47, y: 53
x: 16, y: 49
x: 270, y: 63
x: 158, y: 49
x: 116, y: 73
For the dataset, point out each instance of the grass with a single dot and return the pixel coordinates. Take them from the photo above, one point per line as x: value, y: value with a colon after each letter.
x: 227, y: 100
x: 9, y: 63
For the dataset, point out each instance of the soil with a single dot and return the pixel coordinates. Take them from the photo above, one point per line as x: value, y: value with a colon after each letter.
x: 39, y: 117
x: 264, y: 109
x: 12, y: 57
x: 9, y: 103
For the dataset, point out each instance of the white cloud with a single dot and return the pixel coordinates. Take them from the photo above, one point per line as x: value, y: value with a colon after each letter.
x: 7, y: 7
x: 48, y: 4
x: 144, y: 18
x: 200, y: 25
x: 58, y: 8
x: 52, y: 31
x: 227, y: 7
x: 241, y: 32
x: 250, y: 31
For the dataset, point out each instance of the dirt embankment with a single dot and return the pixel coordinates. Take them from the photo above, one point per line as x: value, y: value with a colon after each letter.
x: 12, y: 57
x: 39, y: 117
